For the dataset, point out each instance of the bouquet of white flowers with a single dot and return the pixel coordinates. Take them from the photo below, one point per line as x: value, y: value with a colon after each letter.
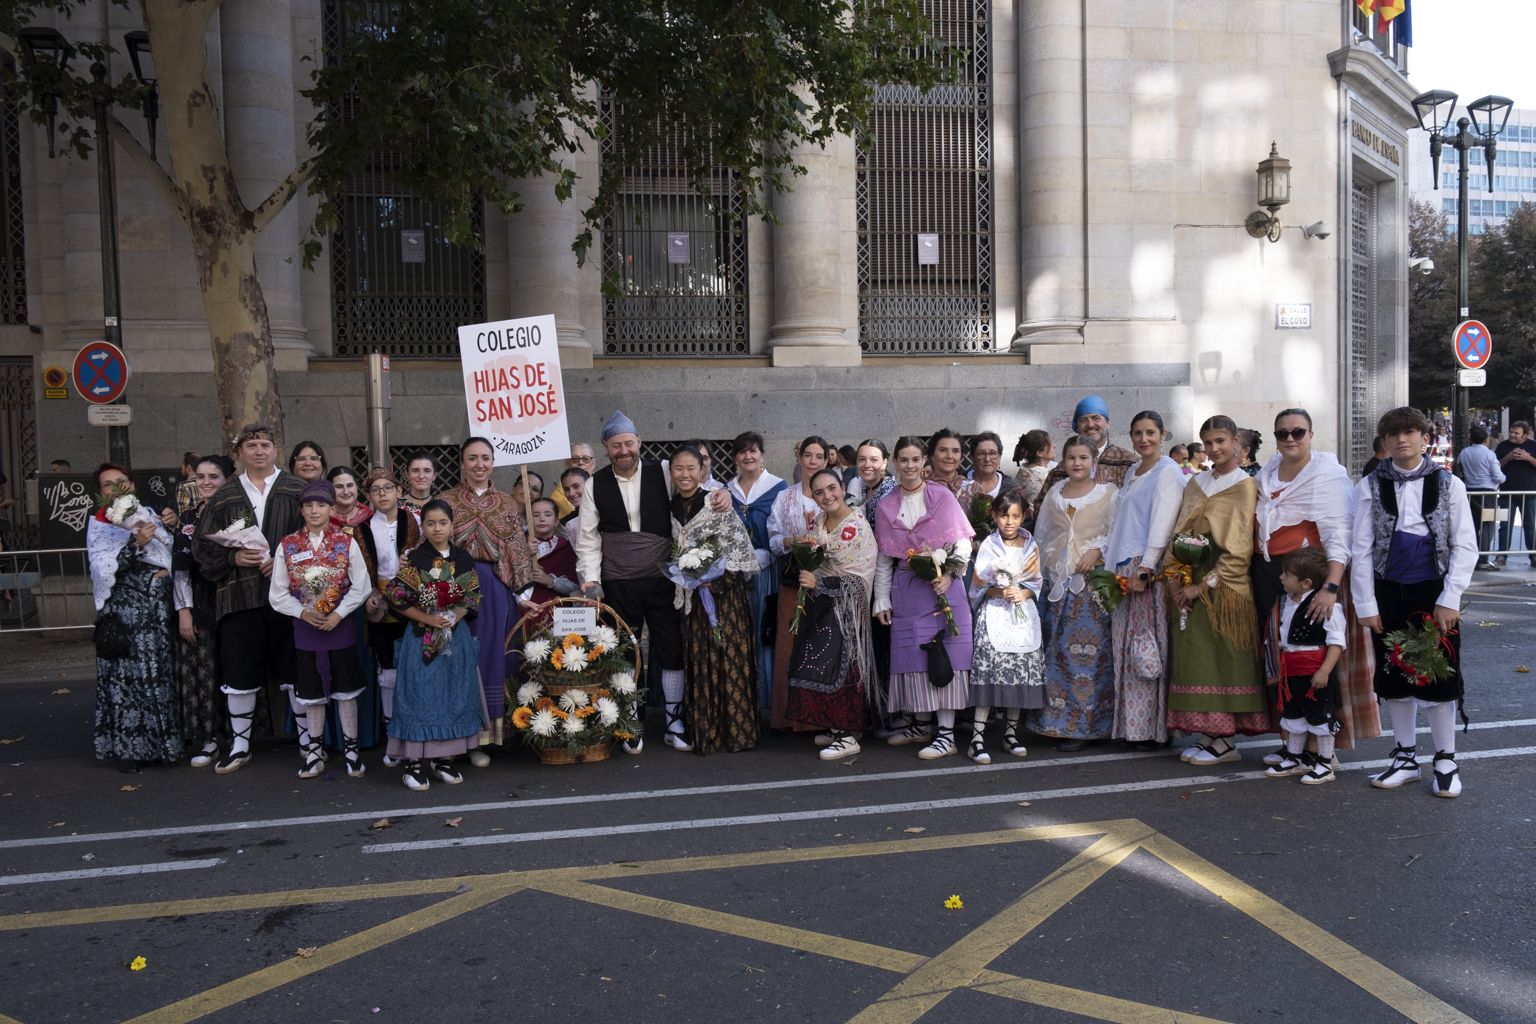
x: 127, y: 512
x: 694, y: 569
x: 240, y: 534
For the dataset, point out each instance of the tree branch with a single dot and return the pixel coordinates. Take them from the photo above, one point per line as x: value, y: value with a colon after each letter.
x: 286, y: 189
x: 150, y: 166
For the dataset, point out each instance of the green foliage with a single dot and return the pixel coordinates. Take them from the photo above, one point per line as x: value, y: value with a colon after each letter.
x: 474, y: 95
x: 1502, y: 286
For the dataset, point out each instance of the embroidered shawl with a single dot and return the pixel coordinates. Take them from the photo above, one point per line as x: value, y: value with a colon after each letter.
x: 1067, y: 528
x: 942, y: 524
x: 851, y: 549
x: 1227, y: 518
x: 490, y: 528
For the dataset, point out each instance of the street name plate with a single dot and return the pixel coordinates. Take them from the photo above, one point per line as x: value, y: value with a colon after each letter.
x: 109, y: 415
x: 1293, y: 316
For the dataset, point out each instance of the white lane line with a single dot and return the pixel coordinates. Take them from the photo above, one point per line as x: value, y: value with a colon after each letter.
x: 953, y: 803
x: 171, y: 831
x: 125, y: 869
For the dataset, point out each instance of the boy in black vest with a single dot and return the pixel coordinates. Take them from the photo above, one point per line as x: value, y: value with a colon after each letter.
x: 1309, y: 653
x: 1411, y: 559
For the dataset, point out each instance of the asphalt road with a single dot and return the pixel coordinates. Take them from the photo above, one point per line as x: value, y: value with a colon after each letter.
x: 1106, y: 885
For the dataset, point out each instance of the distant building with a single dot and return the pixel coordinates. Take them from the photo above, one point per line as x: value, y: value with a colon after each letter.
x: 1514, y: 175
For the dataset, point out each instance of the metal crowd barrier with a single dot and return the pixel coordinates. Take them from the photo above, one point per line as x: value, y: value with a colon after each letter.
x: 45, y: 590
x: 1506, y: 523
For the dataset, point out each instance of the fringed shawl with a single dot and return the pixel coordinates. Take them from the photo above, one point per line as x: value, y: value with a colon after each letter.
x: 942, y: 524
x: 490, y: 528
x: 1227, y: 518
x: 852, y: 555
x: 851, y: 548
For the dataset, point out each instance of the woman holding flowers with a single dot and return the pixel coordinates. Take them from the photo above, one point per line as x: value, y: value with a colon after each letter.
x: 129, y: 553
x: 835, y: 689
x: 392, y: 531
x: 1007, y: 669
x: 1146, y: 508
x: 204, y: 722
x: 872, y: 462
x: 439, y: 707
x: 794, y: 514
x: 1072, y: 527
x: 925, y: 545
x: 713, y: 568
x: 1215, y: 688
x: 753, y: 491
x: 319, y: 578
x: 489, y: 525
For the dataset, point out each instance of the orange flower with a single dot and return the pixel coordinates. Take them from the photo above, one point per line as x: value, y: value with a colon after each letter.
x: 586, y: 712
x: 597, y: 650
x: 621, y: 734
x: 521, y: 717
x: 572, y: 640
x: 558, y: 713
x: 557, y: 659
x: 601, y: 691
x: 544, y: 703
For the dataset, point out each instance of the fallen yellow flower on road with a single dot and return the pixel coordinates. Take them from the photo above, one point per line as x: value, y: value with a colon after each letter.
x: 954, y: 903
x: 138, y: 963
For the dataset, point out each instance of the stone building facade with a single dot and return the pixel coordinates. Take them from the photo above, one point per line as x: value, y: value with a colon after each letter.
x: 1068, y: 217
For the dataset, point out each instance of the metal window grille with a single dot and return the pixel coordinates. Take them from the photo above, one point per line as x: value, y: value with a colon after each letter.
x: 1361, y: 363
x: 13, y: 232
x: 445, y: 459
x: 397, y: 284
x: 925, y: 167
x: 18, y: 447
x: 680, y: 258
x: 721, y: 466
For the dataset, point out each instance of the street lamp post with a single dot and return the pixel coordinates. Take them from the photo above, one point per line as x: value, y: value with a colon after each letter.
x: 1488, y: 116
x: 50, y: 44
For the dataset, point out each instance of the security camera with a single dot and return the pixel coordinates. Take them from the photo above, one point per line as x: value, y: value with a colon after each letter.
x: 1317, y: 229
x: 1422, y: 264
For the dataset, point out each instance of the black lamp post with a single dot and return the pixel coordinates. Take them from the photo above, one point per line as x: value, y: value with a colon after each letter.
x: 47, y: 46
x: 1488, y: 116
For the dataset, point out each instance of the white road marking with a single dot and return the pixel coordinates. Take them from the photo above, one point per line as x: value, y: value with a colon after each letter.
x: 908, y: 807
x: 267, y: 824
x: 125, y: 869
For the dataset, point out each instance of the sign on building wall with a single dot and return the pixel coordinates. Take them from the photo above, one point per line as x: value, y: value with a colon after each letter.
x: 513, y: 391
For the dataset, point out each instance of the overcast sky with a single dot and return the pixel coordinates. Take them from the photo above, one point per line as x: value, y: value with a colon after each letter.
x: 1475, y: 47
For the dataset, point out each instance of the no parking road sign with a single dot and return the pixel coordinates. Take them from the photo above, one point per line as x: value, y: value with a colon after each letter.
x: 101, y: 372
x: 1473, y: 344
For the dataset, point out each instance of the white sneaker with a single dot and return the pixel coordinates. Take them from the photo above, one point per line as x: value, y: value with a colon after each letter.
x: 479, y: 758
x: 1209, y: 753
x: 677, y: 741
x: 1447, y: 782
x: 943, y: 745
x: 1402, y: 770
x: 841, y: 746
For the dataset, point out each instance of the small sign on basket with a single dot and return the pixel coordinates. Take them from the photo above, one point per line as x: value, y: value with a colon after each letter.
x: 574, y: 619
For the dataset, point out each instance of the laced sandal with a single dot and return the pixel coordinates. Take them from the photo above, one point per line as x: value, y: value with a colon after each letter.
x: 1210, y: 753
x: 1318, y: 771
x: 1403, y: 769
x: 314, y: 764
x: 446, y: 773
x: 1011, y: 742
x: 978, y: 750
x: 205, y: 757
x: 1447, y: 781
x: 1276, y: 756
x: 232, y: 761
x: 912, y: 731
x: 844, y: 744
x: 354, y: 760
x: 678, y: 739
x: 1292, y: 764
x: 943, y: 745
x: 415, y: 777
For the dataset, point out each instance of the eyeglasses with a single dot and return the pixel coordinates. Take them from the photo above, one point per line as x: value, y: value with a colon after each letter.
x: 1294, y: 434
x: 583, y: 458
x: 986, y: 453
x: 381, y: 488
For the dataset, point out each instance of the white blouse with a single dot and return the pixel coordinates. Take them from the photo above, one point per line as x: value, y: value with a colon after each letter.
x: 1146, y: 511
x: 794, y: 515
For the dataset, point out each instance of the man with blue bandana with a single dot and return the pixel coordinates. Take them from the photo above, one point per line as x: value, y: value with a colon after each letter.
x: 1110, y: 462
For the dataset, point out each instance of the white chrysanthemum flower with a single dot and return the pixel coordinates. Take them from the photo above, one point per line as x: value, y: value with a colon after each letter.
x: 607, y: 712
x: 688, y: 560
x: 607, y: 636
x: 622, y: 682
x: 574, y: 725
x: 122, y: 508
x: 528, y: 693
x: 543, y: 723
x: 570, y: 700
x: 536, y: 651
x: 575, y: 659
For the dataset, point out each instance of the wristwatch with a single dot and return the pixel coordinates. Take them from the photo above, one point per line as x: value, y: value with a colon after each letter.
x: 1332, y: 588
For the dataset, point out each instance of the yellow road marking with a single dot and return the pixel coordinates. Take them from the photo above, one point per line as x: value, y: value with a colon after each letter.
x: 288, y: 971
x: 1393, y: 989
x: 961, y: 964
x: 1082, y: 1002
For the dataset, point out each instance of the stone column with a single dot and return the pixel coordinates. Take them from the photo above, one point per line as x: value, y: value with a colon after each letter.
x: 815, y: 261
x: 256, y: 43
x: 544, y: 275
x: 1052, y: 211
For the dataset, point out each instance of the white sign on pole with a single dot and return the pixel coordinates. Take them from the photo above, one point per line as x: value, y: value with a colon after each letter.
x: 116, y: 415
x: 574, y: 619
x: 513, y: 391
x: 1472, y: 378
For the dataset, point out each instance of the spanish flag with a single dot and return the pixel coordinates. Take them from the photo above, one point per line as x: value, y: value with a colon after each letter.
x: 1367, y: 7
x: 1386, y: 10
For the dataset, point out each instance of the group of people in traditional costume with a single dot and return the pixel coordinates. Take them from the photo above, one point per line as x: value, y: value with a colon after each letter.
x: 1103, y: 593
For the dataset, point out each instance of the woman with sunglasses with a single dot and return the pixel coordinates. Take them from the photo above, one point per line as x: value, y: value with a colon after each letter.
x: 1305, y: 499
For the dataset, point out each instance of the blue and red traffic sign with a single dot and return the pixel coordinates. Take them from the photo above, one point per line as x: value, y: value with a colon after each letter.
x: 101, y: 372
x: 1473, y: 344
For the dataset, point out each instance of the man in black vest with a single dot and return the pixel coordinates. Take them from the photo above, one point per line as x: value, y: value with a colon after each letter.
x: 622, y: 550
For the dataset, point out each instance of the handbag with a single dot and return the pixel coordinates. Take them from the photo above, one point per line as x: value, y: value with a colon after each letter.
x: 940, y: 672
x: 112, y: 637
x: 818, y: 651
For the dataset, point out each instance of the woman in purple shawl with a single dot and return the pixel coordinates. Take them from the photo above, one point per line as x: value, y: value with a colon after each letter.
x: 915, y: 519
